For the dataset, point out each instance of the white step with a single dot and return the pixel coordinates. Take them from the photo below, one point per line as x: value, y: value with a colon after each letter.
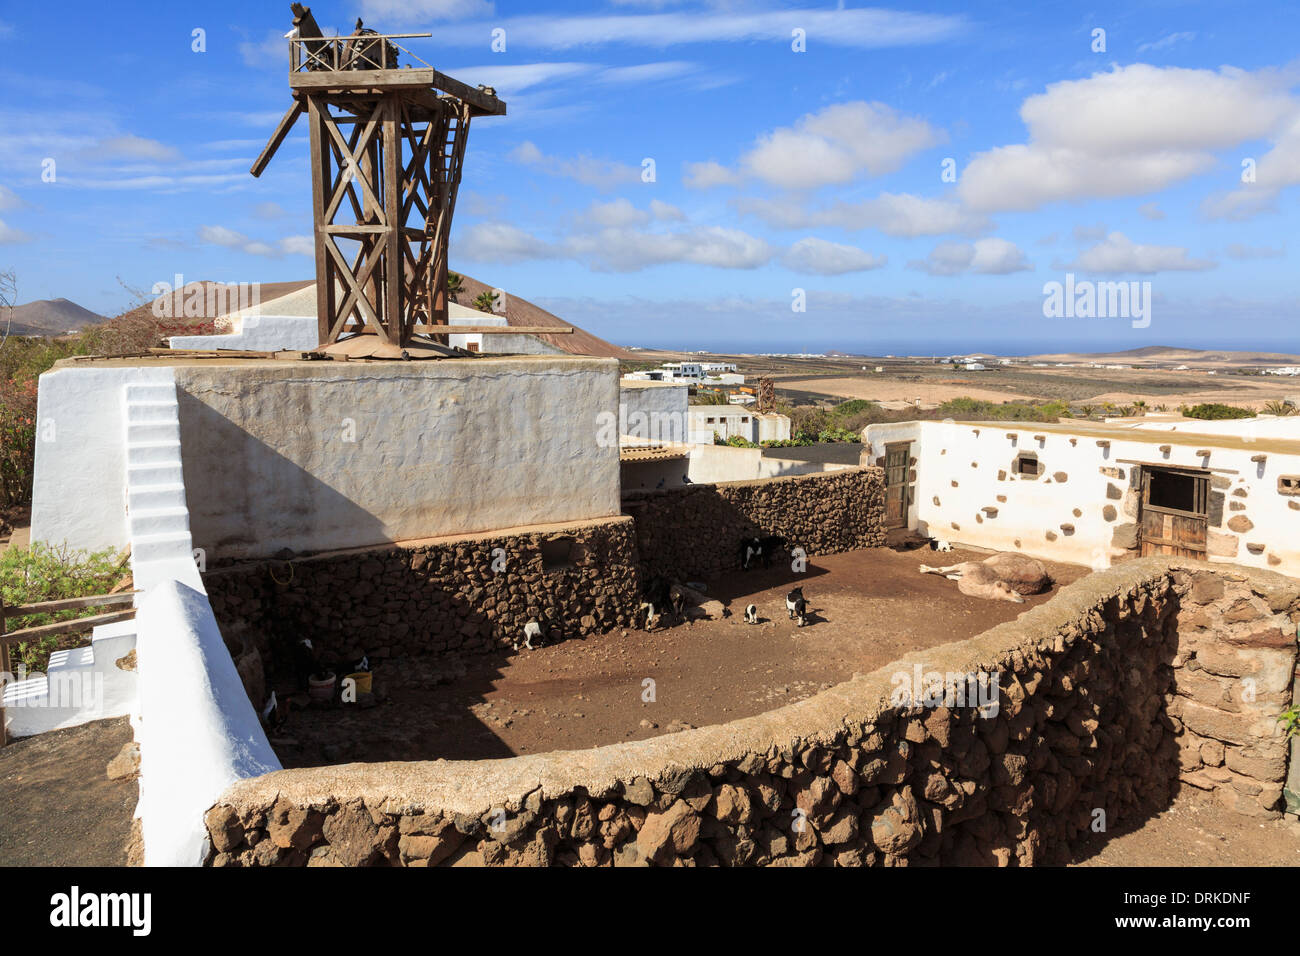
x: 155, y: 497
x: 148, y: 432
x: 72, y: 659
x: 160, y: 547
x: 152, y: 453
x: 112, y: 642
x: 150, y: 413
x: 151, y: 392
x: 151, y: 521
x: 142, y: 476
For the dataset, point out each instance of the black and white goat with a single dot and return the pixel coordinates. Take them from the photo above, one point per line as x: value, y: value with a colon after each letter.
x: 797, y: 607
x: 532, y: 632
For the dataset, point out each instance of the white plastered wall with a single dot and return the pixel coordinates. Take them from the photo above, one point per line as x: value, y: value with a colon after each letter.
x: 79, y: 487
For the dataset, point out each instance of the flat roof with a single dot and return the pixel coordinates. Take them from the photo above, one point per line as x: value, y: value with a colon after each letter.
x: 1147, y: 436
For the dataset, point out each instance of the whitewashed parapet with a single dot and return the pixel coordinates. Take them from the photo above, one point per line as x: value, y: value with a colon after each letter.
x: 198, y: 732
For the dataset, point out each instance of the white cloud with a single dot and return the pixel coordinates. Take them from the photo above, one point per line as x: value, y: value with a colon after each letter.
x: 1275, y: 171
x: 820, y: 257
x: 1133, y: 130
x: 629, y: 250
x: 617, y: 212
x: 708, y: 174
x: 832, y: 147
x: 623, y: 248
x: 508, y: 79
x: 860, y: 29
x: 1119, y: 254
x: 602, y: 174
x: 129, y: 146
x: 230, y: 239
x: 11, y: 236
x: 1165, y: 42
x: 1090, y: 233
x: 666, y: 212
x: 895, y: 214
x: 9, y: 199
x: 500, y: 242
x: 1150, y: 210
x: 991, y: 256
x: 407, y: 11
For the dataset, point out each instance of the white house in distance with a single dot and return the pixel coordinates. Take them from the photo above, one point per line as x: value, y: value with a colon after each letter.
x: 1098, y: 492
x: 729, y: 421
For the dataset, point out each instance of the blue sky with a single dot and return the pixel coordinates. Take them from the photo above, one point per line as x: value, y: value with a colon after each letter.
x: 775, y: 170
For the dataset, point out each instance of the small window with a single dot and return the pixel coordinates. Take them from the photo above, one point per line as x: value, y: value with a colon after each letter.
x: 1178, y: 491
x: 1027, y: 465
x: 557, y: 553
x: 472, y: 346
x: 1288, y: 484
x: 744, y: 420
x: 710, y: 421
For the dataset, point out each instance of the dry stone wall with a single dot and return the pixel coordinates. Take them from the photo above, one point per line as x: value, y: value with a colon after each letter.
x: 695, y: 531
x: 459, y: 595
x: 1102, y: 696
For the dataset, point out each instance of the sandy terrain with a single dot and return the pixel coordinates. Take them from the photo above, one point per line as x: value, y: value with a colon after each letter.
x: 871, y: 607
x: 891, y: 391
x: 1194, y: 831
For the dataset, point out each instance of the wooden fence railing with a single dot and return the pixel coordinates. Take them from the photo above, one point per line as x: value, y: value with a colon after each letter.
x: 40, y: 631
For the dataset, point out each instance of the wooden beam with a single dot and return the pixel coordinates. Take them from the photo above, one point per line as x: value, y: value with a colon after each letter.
x: 355, y: 81
x: 66, y: 627
x: 281, y: 131
x: 68, y: 604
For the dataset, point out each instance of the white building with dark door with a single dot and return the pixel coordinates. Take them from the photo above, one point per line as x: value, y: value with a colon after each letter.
x: 1097, y: 492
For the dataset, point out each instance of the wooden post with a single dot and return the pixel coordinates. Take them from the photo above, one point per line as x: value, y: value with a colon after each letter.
x: 394, y: 317
x: 320, y: 179
x: 4, y: 668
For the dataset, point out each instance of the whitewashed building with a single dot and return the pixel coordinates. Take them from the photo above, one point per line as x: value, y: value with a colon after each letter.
x: 1099, y: 492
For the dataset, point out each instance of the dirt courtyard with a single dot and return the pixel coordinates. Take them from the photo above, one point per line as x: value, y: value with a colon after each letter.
x: 871, y: 607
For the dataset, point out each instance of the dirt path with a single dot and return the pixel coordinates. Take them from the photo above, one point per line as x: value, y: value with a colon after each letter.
x: 57, y: 805
x: 871, y: 607
x: 1193, y: 831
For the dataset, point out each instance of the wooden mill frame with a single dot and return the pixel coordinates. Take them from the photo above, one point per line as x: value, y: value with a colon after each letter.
x: 387, y: 147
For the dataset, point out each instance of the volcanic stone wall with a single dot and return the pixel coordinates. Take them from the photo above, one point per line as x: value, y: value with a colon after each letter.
x: 695, y: 531
x: 462, y: 595
x: 1102, y: 697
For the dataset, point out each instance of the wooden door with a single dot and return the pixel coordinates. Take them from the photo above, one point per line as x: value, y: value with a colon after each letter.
x: 1175, y: 513
x: 898, y: 490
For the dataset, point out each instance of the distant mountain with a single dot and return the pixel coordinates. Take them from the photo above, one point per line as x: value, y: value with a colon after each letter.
x: 1169, y: 355
x: 47, y: 317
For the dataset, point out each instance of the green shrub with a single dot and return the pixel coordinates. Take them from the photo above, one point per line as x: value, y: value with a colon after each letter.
x: 1215, y: 411
x: 974, y: 408
x: 42, y: 573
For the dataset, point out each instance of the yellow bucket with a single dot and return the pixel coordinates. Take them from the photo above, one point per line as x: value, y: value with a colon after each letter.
x: 361, y: 681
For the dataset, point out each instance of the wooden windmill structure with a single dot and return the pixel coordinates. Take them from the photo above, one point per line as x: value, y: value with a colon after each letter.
x: 387, y: 146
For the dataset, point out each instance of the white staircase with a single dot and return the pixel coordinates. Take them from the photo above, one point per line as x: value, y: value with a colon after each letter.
x: 157, y: 517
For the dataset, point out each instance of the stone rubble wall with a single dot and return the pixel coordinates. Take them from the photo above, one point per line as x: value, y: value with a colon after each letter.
x: 695, y: 531
x: 432, y: 598
x: 1105, y: 694
x: 1233, y: 675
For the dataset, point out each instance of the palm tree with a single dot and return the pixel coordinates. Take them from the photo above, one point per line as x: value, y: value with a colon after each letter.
x: 1278, y: 407
x: 455, y: 286
x: 485, y: 301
